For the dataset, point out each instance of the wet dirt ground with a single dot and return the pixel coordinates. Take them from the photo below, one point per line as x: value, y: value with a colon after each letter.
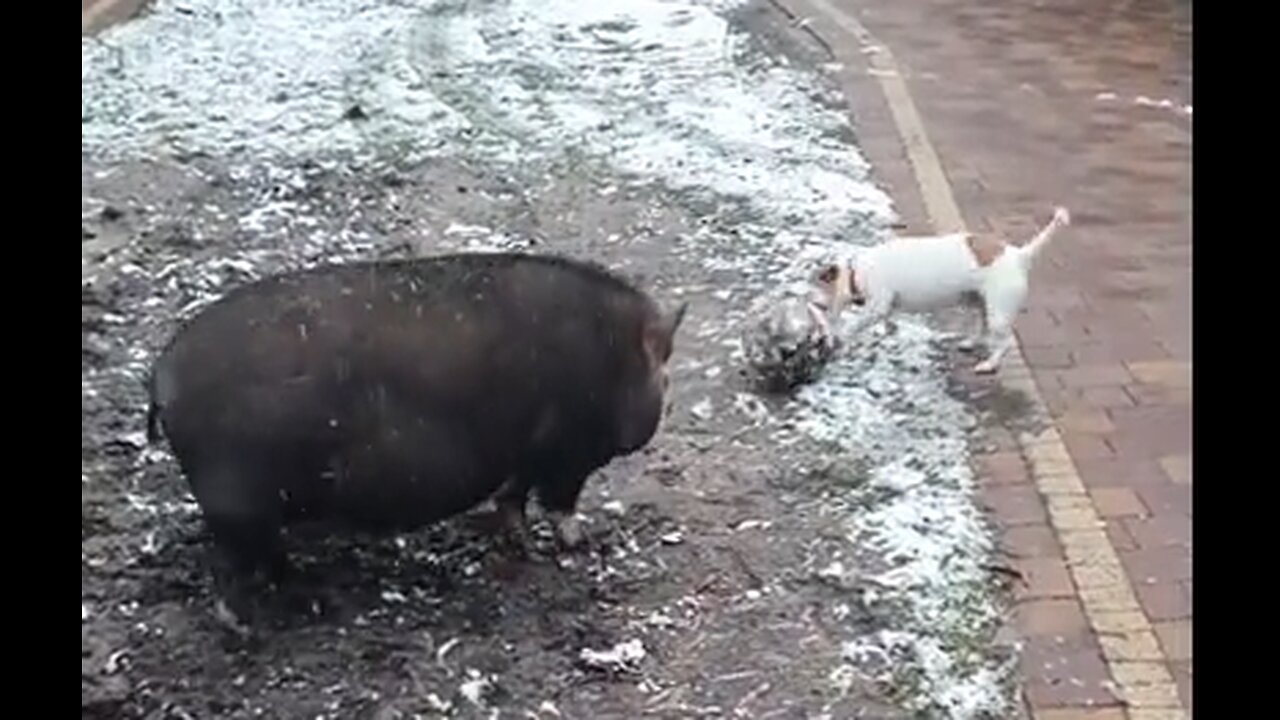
x: 709, y: 553
x: 719, y: 556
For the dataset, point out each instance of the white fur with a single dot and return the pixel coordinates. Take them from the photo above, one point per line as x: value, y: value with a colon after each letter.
x: 916, y: 274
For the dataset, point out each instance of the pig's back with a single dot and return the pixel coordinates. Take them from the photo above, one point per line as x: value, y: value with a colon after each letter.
x: 487, y: 339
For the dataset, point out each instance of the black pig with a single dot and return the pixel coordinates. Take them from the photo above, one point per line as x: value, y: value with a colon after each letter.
x: 383, y: 396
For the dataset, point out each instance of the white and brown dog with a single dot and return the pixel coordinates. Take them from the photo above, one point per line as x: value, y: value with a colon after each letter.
x: 915, y: 274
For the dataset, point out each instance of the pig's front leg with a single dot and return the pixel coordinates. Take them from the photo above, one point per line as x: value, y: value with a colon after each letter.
x: 559, y: 496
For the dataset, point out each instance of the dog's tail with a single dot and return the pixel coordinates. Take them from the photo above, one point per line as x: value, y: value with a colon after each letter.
x: 1027, y: 253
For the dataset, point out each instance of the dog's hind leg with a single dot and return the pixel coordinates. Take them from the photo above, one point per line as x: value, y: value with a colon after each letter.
x: 1001, y: 339
x: 1003, y: 299
x: 977, y: 320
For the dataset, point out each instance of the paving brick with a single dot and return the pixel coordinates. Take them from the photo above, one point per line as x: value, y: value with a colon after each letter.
x: 1038, y: 321
x: 1030, y: 541
x: 1087, y: 447
x: 1044, y: 578
x: 1156, y: 713
x: 1131, y: 646
x: 1014, y: 504
x: 1113, y: 502
x: 1053, y: 297
x: 1073, y: 512
x: 1164, y: 498
x: 1059, y: 674
x: 1119, y: 535
x: 1149, y: 443
x: 1046, y: 449
x: 1109, y: 598
x: 1115, y: 350
x: 1177, y: 348
x: 1061, y: 482
x: 1120, y: 470
x: 1140, y: 672
x: 1177, y: 467
x: 1086, y: 422
x: 1031, y: 333
x: 1002, y: 468
x: 1095, y: 376
x: 1161, y: 433
x: 1048, y: 357
x: 1113, y: 622
x: 1156, y: 695
x: 1106, y: 397
x: 1153, y: 432
x: 1175, y: 639
x: 1160, y: 530
x: 1102, y: 316
x: 104, y: 14
x: 1151, y: 395
x: 1109, y: 713
x: 1162, y: 372
x: 1182, y: 676
x: 1051, y: 618
x: 1090, y: 575
x: 1061, y: 400
x: 1163, y: 601
x: 1171, y: 418
x: 1158, y: 565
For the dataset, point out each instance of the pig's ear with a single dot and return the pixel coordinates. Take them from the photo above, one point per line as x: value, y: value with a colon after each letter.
x: 659, y: 337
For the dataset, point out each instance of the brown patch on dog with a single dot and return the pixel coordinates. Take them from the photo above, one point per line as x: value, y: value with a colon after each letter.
x: 986, y: 249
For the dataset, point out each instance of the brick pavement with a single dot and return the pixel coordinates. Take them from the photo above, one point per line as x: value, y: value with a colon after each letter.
x: 98, y: 14
x: 1027, y: 105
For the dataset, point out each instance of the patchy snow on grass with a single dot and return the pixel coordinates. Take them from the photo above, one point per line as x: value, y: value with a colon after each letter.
x: 259, y: 77
x: 887, y: 402
x: 660, y: 89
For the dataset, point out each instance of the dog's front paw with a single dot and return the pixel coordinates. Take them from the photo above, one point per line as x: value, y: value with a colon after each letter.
x: 986, y: 367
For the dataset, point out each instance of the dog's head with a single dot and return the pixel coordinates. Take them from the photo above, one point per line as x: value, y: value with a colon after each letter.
x: 836, y: 288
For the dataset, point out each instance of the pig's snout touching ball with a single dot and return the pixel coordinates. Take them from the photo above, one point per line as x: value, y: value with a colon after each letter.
x: 383, y: 396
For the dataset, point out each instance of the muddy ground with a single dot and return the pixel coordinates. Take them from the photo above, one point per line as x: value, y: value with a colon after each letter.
x: 718, y: 556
